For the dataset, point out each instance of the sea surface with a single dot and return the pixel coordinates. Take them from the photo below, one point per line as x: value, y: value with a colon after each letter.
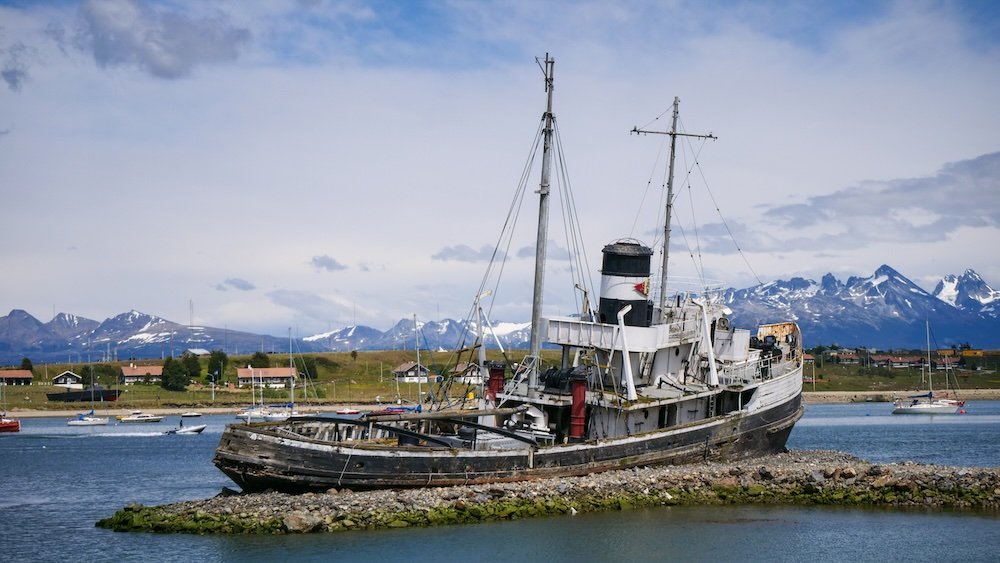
x: 57, y: 481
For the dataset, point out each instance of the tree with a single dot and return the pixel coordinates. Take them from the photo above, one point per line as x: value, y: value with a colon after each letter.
x: 175, y: 377
x: 260, y: 360
x: 217, y: 361
x: 89, y: 375
x: 26, y: 364
x: 191, y: 365
x: 306, y: 366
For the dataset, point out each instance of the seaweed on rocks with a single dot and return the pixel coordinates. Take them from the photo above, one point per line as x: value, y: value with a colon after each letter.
x: 797, y: 478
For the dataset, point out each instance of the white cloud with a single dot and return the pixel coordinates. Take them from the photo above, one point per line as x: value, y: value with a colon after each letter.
x: 165, y: 43
x: 390, y: 132
x: 465, y: 253
x: 327, y: 263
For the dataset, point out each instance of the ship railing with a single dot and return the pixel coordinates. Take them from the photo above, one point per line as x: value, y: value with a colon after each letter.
x: 521, y: 373
x: 754, y: 371
x: 588, y: 334
x: 746, y: 373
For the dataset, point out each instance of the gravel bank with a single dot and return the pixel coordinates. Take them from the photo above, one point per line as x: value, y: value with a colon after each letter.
x: 804, y: 477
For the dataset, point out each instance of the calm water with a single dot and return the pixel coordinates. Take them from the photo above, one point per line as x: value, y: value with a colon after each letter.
x: 56, y: 481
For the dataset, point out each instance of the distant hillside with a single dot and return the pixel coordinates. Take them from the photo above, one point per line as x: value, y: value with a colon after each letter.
x: 884, y: 310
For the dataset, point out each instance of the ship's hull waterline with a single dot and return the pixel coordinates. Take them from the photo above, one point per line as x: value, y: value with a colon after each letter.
x: 260, y: 457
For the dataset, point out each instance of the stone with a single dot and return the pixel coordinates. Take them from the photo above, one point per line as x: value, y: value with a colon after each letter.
x: 301, y: 521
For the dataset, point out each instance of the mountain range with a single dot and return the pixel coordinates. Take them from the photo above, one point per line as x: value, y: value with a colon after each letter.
x: 884, y: 311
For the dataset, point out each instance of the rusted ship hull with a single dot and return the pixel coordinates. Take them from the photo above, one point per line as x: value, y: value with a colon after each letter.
x: 260, y: 457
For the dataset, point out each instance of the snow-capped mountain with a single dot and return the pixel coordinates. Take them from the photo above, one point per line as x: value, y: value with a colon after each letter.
x: 968, y: 292
x: 884, y: 310
x: 446, y: 334
x: 70, y: 338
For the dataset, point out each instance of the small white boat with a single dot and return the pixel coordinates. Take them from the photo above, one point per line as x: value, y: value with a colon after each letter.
x: 190, y: 414
x: 928, y: 406
x: 142, y: 417
x: 87, y: 419
x: 927, y: 403
x: 187, y: 430
x: 256, y: 414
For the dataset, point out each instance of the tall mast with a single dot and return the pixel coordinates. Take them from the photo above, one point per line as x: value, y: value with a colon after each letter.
x: 670, y: 196
x: 543, y: 220
x: 670, y: 208
x: 930, y: 386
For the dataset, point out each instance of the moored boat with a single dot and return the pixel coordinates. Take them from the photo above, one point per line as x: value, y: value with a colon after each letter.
x: 138, y: 416
x: 9, y: 424
x: 928, y: 403
x: 88, y: 419
x: 641, y: 381
x: 95, y: 393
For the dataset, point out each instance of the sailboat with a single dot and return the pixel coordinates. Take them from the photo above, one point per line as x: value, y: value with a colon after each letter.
x: 927, y: 403
x: 644, y: 379
x: 89, y: 418
x: 254, y: 412
x: 7, y: 424
x: 289, y: 411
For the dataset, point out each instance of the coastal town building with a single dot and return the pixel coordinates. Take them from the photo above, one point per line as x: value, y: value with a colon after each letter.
x: 69, y: 380
x: 16, y: 377
x: 141, y: 374
x: 411, y: 372
x: 272, y: 378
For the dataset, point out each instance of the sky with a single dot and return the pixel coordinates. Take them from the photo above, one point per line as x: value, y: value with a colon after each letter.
x: 307, y: 165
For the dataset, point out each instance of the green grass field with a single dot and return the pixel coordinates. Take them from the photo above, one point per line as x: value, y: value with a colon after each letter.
x: 367, y: 378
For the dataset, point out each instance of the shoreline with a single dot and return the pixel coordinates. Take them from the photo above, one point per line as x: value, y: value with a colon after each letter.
x: 792, y: 478
x: 816, y: 397
x: 165, y: 411
x: 808, y: 397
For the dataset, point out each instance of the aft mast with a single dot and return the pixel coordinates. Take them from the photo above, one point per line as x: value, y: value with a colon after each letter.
x: 543, y: 220
x: 670, y: 197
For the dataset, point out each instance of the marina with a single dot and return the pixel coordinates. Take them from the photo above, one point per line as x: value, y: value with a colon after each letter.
x: 138, y: 464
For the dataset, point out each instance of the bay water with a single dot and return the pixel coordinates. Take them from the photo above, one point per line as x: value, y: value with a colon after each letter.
x: 57, y: 481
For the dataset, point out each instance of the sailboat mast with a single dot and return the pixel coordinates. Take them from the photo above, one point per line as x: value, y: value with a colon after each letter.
x: 669, y: 210
x: 543, y: 220
x: 930, y: 385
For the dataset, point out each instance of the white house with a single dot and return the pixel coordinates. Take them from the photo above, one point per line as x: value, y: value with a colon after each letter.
x: 411, y: 372
x: 69, y: 380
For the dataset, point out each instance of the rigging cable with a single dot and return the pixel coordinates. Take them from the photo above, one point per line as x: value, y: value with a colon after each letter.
x: 725, y: 223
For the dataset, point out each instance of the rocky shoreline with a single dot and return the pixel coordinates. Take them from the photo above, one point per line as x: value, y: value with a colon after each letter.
x: 799, y: 478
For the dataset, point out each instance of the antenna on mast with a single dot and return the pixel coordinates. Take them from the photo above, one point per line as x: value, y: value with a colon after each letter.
x: 670, y: 195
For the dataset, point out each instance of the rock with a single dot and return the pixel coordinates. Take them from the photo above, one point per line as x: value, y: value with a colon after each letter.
x: 301, y: 521
x: 875, y: 470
